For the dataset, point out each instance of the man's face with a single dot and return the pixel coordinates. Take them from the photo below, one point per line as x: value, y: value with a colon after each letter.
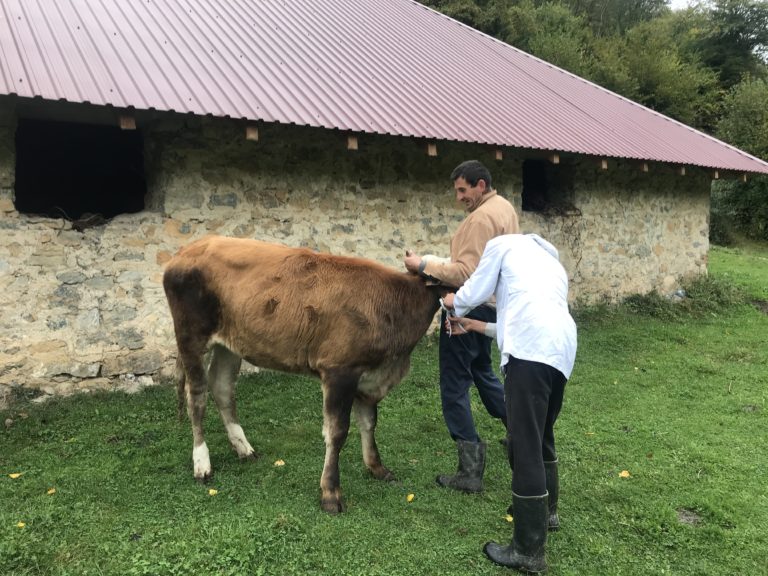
x: 469, y: 196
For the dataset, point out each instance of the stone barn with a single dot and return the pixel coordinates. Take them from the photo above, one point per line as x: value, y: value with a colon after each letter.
x: 130, y: 128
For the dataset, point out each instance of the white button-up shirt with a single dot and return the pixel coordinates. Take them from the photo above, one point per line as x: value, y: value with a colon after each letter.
x: 531, y: 289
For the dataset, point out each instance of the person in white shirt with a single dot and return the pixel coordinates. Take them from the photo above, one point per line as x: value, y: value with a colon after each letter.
x: 536, y: 336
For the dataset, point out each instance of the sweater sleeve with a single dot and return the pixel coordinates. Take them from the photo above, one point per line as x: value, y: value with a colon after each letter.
x: 466, y: 250
x: 495, y: 217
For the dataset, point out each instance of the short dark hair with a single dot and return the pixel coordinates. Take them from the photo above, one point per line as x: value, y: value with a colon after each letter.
x: 472, y: 171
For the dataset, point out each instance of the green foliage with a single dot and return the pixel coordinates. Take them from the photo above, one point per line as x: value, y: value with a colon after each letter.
x: 615, y: 17
x: 735, y: 40
x: 667, y: 82
x: 721, y: 231
x: 551, y: 32
x: 610, y: 67
x: 744, y: 205
x: 701, y: 296
x: 744, y: 122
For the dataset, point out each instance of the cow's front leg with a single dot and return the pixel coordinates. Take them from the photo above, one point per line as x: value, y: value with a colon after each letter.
x: 366, y: 414
x: 338, y: 395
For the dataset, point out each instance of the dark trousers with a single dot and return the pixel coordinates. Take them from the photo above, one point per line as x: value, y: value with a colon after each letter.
x: 466, y: 359
x: 534, y: 397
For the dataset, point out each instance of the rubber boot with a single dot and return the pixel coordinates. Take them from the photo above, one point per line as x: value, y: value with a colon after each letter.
x: 553, y: 487
x: 526, y: 552
x: 469, y: 476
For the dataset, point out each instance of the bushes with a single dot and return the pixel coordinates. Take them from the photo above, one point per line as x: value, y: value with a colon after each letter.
x: 701, y: 296
x: 739, y: 206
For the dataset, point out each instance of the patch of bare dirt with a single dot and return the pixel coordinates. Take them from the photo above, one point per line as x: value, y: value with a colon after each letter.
x: 690, y: 517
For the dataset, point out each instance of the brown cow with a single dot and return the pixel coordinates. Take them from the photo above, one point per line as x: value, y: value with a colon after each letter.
x: 351, y: 322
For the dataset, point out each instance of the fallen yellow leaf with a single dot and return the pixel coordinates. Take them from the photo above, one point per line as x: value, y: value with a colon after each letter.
x: 212, y: 492
x: 279, y: 463
x: 20, y: 525
x: 15, y: 475
x: 508, y: 518
x: 51, y: 491
x: 624, y: 474
x: 410, y: 497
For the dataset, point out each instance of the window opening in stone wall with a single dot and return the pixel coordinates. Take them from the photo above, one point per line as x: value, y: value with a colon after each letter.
x: 535, y: 186
x: 547, y: 187
x: 80, y: 172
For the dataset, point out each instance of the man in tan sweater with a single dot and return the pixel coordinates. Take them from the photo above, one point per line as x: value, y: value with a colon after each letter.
x: 467, y: 360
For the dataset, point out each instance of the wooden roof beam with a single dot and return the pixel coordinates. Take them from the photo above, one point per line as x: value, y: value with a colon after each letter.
x: 252, y: 132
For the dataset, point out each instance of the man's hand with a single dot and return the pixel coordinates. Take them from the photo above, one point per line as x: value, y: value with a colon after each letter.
x: 448, y: 300
x: 456, y: 326
x: 412, y: 261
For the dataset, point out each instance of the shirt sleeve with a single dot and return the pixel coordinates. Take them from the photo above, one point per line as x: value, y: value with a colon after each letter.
x: 482, y: 283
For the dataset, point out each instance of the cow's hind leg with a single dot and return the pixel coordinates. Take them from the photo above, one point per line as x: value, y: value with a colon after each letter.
x: 222, y: 374
x: 338, y: 396
x: 366, y: 413
x: 197, y: 397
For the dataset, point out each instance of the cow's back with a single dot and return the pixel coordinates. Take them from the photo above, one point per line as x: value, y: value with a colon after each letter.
x: 294, y: 309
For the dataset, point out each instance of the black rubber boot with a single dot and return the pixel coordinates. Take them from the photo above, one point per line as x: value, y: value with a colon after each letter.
x: 553, y: 487
x: 526, y: 552
x: 469, y: 476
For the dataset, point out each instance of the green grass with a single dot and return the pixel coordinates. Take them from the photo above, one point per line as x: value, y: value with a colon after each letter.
x: 676, y: 399
x: 746, y: 266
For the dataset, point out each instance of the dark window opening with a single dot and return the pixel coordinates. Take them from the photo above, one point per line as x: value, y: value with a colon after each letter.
x: 548, y: 187
x: 68, y: 170
x: 535, y: 185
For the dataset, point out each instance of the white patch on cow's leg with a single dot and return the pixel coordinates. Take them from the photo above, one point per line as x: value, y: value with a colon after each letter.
x: 366, y: 416
x: 222, y: 375
x: 239, y: 442
x: 202, y: 462
x: 196, y: 402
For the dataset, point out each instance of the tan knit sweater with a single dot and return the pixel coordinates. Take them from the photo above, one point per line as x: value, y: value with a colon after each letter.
x: 494, y: 216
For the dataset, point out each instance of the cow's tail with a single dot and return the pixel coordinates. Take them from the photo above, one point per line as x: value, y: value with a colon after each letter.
x: 181, y: 385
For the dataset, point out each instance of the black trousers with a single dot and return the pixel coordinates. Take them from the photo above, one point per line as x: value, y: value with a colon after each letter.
x: 464, y: 360
x: 534, y: 397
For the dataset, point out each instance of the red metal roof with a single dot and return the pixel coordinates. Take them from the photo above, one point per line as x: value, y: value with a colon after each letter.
x: 379, y: 66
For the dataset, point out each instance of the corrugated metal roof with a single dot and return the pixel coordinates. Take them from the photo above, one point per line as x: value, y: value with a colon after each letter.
x: 378, y: 66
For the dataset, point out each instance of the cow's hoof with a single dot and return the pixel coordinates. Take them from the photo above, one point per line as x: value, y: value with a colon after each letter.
x: 252, y: 457
x: 389, y: 477
x: 332, y: 506
x: 383, y: 473
x: 204, y: 478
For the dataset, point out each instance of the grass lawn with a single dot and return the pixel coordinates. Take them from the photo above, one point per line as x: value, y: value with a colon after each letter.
x: 106, y: 481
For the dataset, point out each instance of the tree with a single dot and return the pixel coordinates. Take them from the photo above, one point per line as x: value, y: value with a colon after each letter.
x: 615, y: 17
x: 734, y: 41
x: 551, y: 32
x: 667, y: 81
x: 609, y: 67
x: 745, y: 125
x: 484, y: 15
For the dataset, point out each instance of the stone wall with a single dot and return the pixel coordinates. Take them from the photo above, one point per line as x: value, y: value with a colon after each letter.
x: 625, y: 231
x: 86, y: 310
